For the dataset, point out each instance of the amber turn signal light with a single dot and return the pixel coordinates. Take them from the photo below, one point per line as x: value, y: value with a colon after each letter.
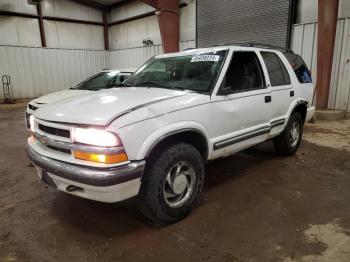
x: 107, y: 159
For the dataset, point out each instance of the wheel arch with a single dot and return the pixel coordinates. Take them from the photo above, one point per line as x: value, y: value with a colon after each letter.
x: 299, y: 106
x: 190, y: 132
x: 191, y: 136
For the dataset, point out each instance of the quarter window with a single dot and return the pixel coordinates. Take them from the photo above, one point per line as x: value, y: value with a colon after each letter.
x: 299, y: 67
x: 277, y: 71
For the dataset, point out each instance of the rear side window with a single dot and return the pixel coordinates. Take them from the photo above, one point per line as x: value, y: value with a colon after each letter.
x: 277, y: 71
x: 299, y: 67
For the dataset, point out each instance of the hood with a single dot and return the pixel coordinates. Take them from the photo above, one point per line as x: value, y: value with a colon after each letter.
x: 102, y: 107
x: 53, y: 97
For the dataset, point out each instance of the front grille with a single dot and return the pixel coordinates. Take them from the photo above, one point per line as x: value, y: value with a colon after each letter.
x: 32, y: 107
x: 54, y: 131
x: 66, y: 151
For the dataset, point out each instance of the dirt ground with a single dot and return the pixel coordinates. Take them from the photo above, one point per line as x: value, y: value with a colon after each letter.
x: 256, y: 206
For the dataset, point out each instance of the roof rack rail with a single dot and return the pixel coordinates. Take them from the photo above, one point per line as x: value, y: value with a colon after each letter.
x: 261, y: 45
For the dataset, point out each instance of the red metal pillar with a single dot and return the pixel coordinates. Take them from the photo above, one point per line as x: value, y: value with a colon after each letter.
x: 105, y: 31
x: 169, y: 23
x: 41, y: 24
x: 327, y: 25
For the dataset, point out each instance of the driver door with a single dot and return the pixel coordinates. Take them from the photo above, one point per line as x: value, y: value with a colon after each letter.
x: 241, y: 109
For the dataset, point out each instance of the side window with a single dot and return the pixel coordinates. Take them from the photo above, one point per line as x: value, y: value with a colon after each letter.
x: 277, y: 71
x: 244, y: 73
x: 299, y: 67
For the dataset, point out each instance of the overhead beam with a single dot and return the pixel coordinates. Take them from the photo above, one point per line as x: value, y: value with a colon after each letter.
x: 92, y: 4
x: 121, y: 3
x: 41, y: 25
x: 52, y: 18
x: 132, y: 18
x: 68, y: 20
x: 10, y: 13
x: 140, y: 16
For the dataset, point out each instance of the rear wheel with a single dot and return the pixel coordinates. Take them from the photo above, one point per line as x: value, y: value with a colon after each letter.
x: 172, y: 183
x: 288, y: 142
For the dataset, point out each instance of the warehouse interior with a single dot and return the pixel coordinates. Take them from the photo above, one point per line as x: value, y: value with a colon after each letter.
x: 256, y: 206
x: 72, y: 40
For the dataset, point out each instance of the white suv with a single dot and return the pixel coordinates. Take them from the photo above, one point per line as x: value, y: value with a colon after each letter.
x: 151, y: 136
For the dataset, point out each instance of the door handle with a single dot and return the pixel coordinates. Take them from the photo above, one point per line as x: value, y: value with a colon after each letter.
x: 268, y: 99
x: 291, y: 93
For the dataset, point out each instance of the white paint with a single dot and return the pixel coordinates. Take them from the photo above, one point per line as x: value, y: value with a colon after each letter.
x: 71, y: 35
x: 155, y: 112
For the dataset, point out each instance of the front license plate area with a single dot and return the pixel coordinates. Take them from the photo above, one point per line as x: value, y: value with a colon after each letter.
x: 47, y: 179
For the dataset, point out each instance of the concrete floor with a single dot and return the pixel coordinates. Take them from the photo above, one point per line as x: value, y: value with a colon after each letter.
x: 256, y: 206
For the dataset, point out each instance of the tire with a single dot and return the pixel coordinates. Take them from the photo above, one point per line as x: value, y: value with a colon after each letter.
x: 160, y: 190
x: 286, y: 144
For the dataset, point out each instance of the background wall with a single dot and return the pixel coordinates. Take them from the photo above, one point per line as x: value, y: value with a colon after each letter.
x: 38, y: 71
x: 304, y: 42
x: 307, y: 10
x: 131, y: 34
x: 20, y: 31
x: 76, y: 51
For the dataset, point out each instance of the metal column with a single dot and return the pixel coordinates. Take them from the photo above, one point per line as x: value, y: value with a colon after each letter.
x: 169, y: 23
x: 327, y: 25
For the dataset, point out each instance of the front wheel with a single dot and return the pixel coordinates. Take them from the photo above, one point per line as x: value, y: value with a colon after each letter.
x: 171, y: 184
x: 288, y: 142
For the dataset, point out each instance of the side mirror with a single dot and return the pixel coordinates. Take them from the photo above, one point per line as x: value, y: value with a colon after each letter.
x: 225, y: 90
x: 122, y: 79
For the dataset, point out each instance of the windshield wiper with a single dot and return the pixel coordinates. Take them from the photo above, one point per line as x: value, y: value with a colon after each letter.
x: 154, y: 83
x: 122, y: 84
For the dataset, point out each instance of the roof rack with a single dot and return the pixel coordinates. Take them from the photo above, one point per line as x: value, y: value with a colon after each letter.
x: 253, y: 44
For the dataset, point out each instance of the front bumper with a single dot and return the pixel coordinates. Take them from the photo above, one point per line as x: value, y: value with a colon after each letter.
x: 100, y: 184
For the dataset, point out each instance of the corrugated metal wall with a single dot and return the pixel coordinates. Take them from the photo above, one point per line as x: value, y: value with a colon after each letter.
x: 38, y: 71
x: 304, y: 42
x: 228, y: 21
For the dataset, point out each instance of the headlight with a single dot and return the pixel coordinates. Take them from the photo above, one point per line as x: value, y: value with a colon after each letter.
x: 32, y: 123
x: 95, y: 137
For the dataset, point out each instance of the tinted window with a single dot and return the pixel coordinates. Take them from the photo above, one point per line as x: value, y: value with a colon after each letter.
x: 277, y: 71
x: 299, y: 67
x: 244, y: 72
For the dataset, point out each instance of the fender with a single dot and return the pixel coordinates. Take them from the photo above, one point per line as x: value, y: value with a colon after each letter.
x: 175, y: 128
x: 293, y: 105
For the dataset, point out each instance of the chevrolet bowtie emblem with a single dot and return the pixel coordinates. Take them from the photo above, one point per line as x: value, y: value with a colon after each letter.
x: 43, y: 140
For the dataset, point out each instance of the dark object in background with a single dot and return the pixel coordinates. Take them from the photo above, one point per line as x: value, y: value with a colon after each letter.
x: 6, y: 86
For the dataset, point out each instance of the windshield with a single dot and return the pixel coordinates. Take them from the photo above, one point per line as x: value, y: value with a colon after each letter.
x: 102, y: 80
x: 189, y: 72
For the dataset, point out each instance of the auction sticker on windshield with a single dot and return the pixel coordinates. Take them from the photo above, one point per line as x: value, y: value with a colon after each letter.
x: 205, y: 58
